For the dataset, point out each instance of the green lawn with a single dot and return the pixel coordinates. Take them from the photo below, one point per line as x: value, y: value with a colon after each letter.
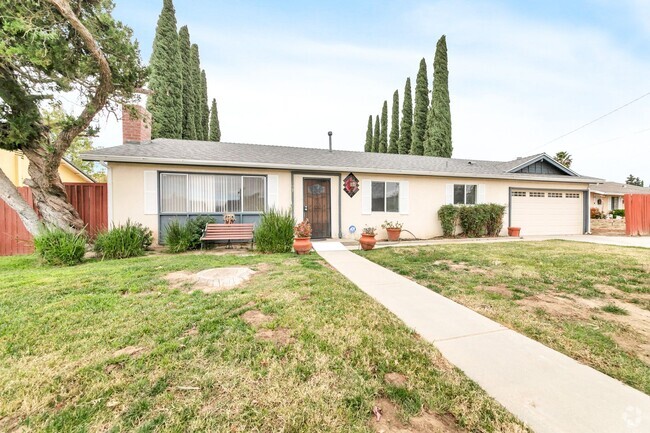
x: 199, y: 366
x: 591, y: 302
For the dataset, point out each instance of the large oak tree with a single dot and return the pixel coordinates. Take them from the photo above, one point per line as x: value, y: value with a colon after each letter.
x: 50, y: 48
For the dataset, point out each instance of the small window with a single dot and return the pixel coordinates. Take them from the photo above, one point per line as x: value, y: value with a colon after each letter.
x: 572, y: 195
x: 385, y: 196
x: 555, y: 194
x: 537, y: 194
x: 519, y: 194
x: 465, y: 194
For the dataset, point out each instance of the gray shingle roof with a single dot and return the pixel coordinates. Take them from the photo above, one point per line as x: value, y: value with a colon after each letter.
x: 618, y: 188
x: 207, y: 153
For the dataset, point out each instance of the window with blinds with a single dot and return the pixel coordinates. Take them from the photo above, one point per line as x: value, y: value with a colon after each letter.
x: 210, y: 193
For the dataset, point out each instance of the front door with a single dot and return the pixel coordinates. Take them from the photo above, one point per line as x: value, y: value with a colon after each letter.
x: 317, y: 206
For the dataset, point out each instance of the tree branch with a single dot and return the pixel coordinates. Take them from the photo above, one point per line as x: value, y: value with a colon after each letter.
x: 104, y: 87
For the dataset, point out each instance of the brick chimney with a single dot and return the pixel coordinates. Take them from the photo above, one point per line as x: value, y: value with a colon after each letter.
x: 136, y: 124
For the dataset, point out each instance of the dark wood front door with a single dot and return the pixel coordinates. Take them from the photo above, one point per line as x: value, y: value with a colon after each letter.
x: 317, y: 206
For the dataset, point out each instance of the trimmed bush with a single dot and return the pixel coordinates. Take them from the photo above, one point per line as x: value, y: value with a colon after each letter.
x: 618, y: 213
x: 448, y: 215
x: 274, y: 234
x: 178, y: 236
x: 475, y: 221
x: 123, y: 241
x: 595, y: 213
x: 58, y: 247
x: 494, y: 213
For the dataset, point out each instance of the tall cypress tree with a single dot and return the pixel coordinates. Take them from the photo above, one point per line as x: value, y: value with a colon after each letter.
x: 393, y: 146
x: 407, y: 120
x: 205, y: 109
x: 215, y: 131
x: 368, y: 146
x: 189, y: 105
x: 165, y: 78
x: 375, y: 136
x: 439, y: 119
x: 421, y: 110
x: 383, y: 134
x: 197, y: 85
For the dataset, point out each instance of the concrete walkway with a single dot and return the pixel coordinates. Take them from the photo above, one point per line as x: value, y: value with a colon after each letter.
x: 546, y: 389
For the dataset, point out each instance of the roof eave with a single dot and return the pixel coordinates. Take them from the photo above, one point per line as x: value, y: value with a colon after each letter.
x: 550, y: 159
x: 293, y: 167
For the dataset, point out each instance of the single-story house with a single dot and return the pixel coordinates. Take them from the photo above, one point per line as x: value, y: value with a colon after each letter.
x: 340, y: 192
x: 608, y: 196
x: 15, y: 164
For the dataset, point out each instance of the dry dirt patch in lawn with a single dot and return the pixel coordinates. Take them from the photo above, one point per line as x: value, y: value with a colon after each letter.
x: 256, y: 318
x: 279, y: 336
x: 634, y: 339
x: 461, y: 266
x: 500, y: 289
x: 395, y: 379
x: 385, y: 419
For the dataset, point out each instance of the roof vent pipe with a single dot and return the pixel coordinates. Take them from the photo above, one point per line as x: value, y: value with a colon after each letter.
x: 329, y: 133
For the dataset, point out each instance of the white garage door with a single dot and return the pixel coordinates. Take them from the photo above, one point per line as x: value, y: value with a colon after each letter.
x: 549, y: 212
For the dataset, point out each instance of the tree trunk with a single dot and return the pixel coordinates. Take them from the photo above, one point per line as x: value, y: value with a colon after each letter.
x: 49, y: 192
x: 10, y: 194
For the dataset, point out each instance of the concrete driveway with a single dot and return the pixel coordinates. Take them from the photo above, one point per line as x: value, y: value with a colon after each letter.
x: 623, y: 241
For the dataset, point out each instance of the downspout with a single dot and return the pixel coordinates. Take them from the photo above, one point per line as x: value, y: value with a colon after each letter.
x: 340, y: 210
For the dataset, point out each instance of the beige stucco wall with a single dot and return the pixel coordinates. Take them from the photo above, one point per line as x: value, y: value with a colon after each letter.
x: 426, y: 195
x: 126, y: 189
x: 15, y: 165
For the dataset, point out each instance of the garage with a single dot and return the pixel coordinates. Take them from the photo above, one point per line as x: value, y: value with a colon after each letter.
x: 547, y: 212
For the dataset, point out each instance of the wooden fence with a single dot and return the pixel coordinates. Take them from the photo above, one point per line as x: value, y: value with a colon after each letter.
x: 637, y: 214
x: 90, y: 200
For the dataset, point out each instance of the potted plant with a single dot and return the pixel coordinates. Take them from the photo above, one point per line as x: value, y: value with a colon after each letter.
x: 514, y: 231
x: 302, y: 237
x: 368, y: 240
x: 393, y: 228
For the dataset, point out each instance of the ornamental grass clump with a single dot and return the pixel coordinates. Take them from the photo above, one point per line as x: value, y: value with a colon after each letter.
x: 178, y: 237
x: 123, y: 241
x: 58, y: 247
x: 274, y: 233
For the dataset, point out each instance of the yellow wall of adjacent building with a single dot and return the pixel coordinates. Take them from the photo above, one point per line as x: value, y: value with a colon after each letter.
x: 14, y: 165
x: 426, y: 195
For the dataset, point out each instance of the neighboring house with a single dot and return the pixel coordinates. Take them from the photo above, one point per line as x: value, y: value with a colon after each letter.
x: 14, y: 165
x: 153, y: 182
x: 608, y: 196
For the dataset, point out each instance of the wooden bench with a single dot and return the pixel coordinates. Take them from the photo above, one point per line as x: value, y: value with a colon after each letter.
x: 227, y: 232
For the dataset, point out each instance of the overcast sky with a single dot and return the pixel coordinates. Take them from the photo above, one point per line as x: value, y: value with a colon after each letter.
x: 520, y: 73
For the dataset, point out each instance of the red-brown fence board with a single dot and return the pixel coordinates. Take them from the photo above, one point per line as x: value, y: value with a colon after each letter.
x: 90, y: 200
x: 637, y: 214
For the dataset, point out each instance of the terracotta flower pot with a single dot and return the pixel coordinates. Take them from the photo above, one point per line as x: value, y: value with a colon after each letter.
x: 393, y: 234
x: 514, y: 231
x: 367, y: 241
x: 302, y: 245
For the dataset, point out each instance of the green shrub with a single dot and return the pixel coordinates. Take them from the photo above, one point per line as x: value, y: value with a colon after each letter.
x: 481, y: 219
x: 448, y: 215
x: 274, y: 234
x: 178, y: 236
x: 494, y: 213
x: 618, y: 213
x: 196, y: 226
x: 123, y: 241
x: 473, y: 220
x: 58, y: 247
